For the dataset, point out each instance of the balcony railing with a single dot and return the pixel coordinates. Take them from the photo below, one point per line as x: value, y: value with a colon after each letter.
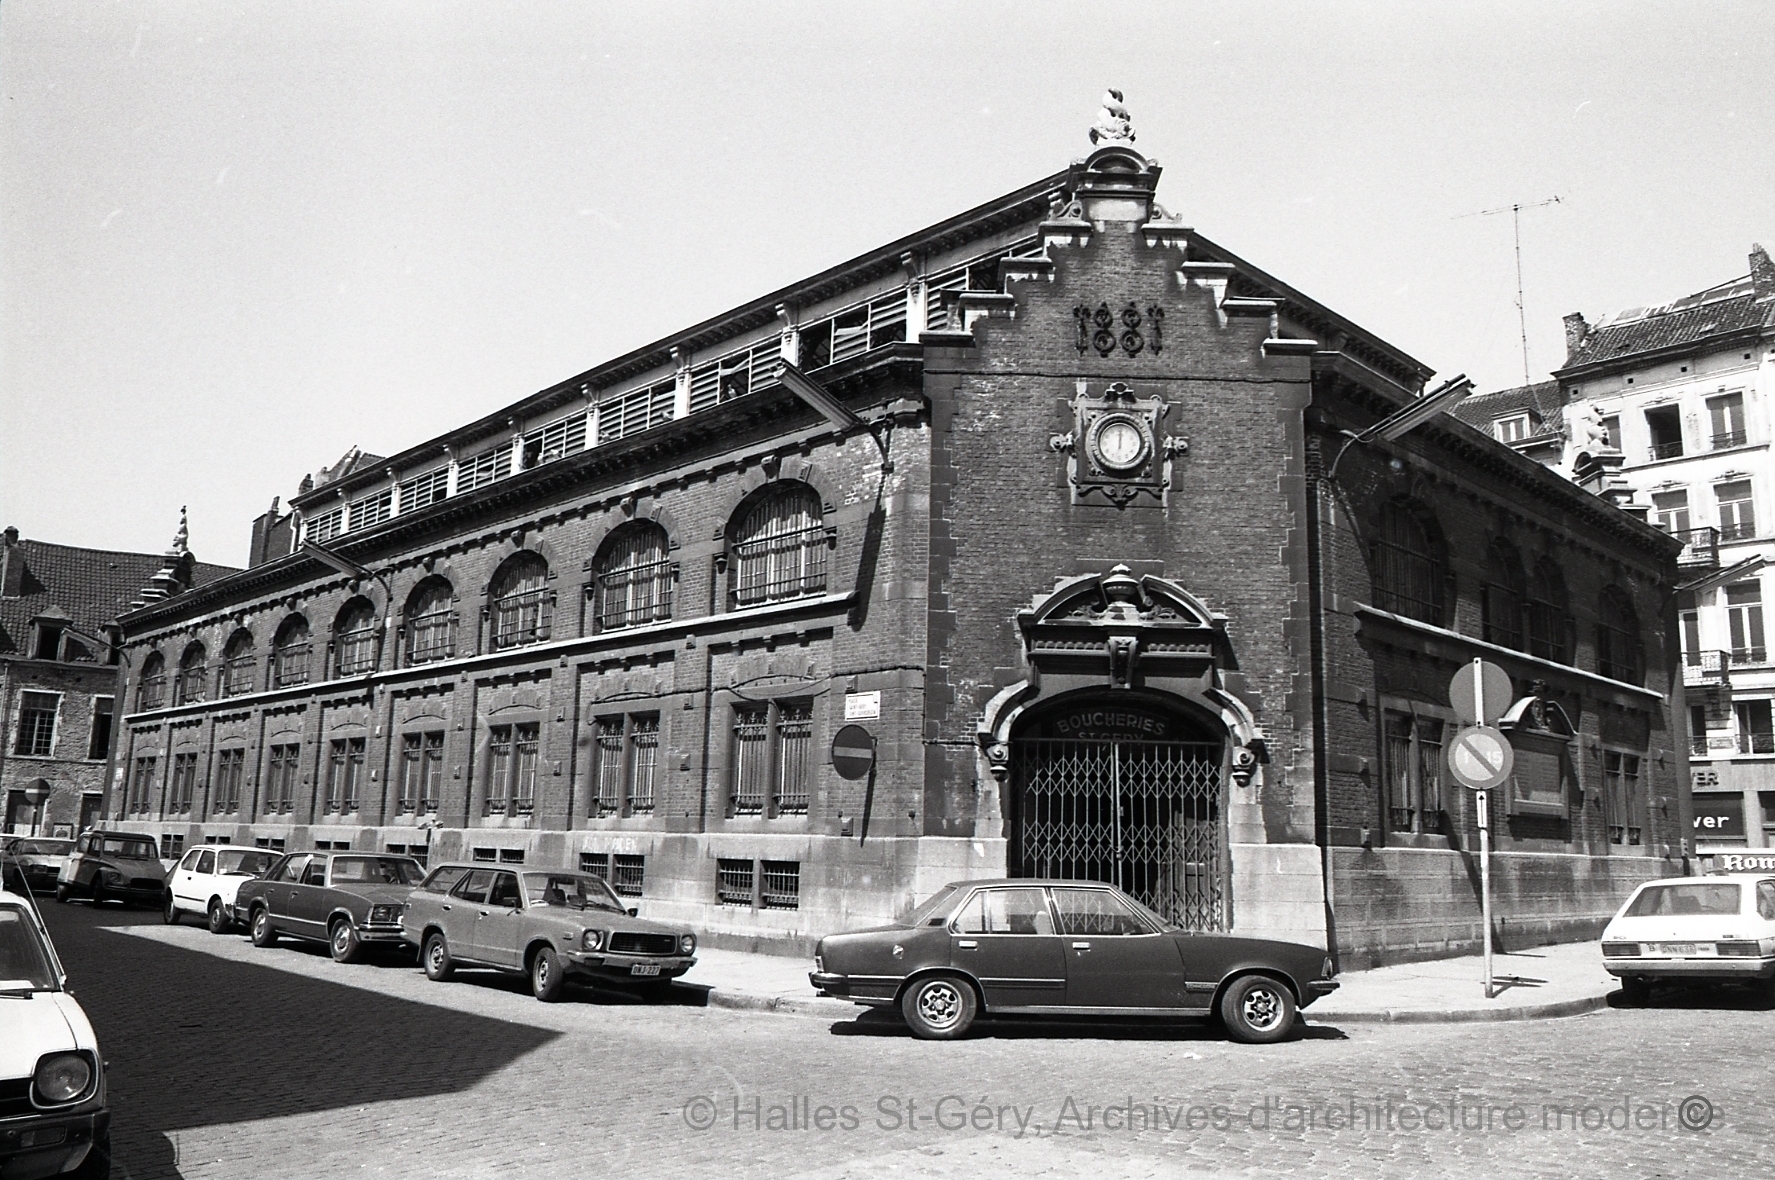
x: 1706, y: 667
x: 1745, y: 531
x: 1665, y: 450
x: 1728, y: 438
x: 1701, y: 547
x: 1756, y: 743
x: 153, y: 691
x: 1697, y: 747
x: 1750, y: 655
x: 237, y: 675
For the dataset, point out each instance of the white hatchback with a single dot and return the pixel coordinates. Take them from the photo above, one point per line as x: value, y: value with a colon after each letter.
x: 206, y: 879
x: 1714, y: 929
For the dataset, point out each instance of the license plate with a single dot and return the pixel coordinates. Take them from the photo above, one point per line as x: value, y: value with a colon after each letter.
x: 1679, y: 948
x: 644, y: 969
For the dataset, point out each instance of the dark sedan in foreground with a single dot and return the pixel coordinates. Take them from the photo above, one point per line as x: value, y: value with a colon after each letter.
x: 1065, y: 948
x: 347, y: 900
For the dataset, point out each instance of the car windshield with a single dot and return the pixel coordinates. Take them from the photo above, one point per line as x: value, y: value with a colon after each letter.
x: 41, y: 847
x: 125, y: 848
x: 376, y: 870
x: 24, y: 960
x: 1702, y: 897
x: 934, y: 905
x: 576, y: 891
x: 244, y: 862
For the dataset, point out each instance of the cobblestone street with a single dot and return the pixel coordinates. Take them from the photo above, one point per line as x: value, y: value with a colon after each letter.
x: 228, y: 1061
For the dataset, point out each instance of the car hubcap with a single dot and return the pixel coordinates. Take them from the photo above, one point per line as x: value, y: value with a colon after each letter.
x: 542, y: 973
x: 436, y: 958
x: 1262, y: 1008
x: 342, y: 940
x: 939, y: 1005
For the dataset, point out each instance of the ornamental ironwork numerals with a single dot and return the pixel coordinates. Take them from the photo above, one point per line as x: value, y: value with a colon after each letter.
x: 1106, y: 330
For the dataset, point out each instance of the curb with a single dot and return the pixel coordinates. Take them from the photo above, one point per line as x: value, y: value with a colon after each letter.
x: 788, y: 1005
x: 1464, y: 1015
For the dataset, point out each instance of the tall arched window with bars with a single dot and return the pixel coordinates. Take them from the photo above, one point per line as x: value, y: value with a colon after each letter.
x: 289, y: 653
x: 1503, y: 596
x: 1549, y: 614
x: 779, y: 549
x: 354, y: 639
x: 521, y: 604
x: 632, y: 580
x: 193, y: 672
x: 238, y: 664
x: 1619, y: 653
x: 1407, y: 564
x: 431, y: 622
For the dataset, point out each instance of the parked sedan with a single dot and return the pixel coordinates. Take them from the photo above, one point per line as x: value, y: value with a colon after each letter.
x: 552, y: 926
x: 106, y: 865
x: 1716, y: 929
x: 208, y: 879
x: 1065, y: 948
x: 35, y: 862
x: 344, y: 899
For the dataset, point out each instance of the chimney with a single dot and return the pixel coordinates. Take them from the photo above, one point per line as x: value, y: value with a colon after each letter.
x: 1762, y: 274
x: 1575, y: 331
x: 12, y: 564
x: 271, y: 536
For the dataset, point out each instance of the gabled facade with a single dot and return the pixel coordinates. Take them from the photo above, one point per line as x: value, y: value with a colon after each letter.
x: 1054, y: 502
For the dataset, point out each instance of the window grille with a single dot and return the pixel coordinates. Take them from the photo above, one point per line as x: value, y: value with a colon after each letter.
x: 484, y: 468
x: 1549, y: 622
x: 511, y: 772
x: 733, y: 882
x: 1407, y: 572
x: 595, y: 863
x: 643, y: 758
x: 795, y: 727
x: 372, y: 509
x: 429, y: 488
x: 282, y: 768
x: 627, y: 873
x: 556, y: 440
x: 345, y: 769
x: 751, y: 759
x: 1617, y: 639
x: 1620, y: 776
x: 634, y: 580
x: 172, y: 845
x: 141, y: 797
x: 631, y: 412
x: 521, y: 605
x: 734, y: 375
x: 431, y: 625
x: 607, y: 794
x: 183, y: 785
x: 151, y: 691
x: 422, y: 771
x: 325, y: 526
x: 238, y: 666
x: 780, y: 548
x: 36, y: 723
x: 486, y: 855
x: 356, y: 646
x: 779, y: 885
x: 230, y: 767
x: 189, y: 688
x: 289, y: 665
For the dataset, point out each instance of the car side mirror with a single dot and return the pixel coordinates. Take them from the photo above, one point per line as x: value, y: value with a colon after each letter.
x: 634, y: 911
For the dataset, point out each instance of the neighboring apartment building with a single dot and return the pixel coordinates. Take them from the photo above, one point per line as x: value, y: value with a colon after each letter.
x: 59, y: 672
x: 1042, y: 525
x: 1683, y: 393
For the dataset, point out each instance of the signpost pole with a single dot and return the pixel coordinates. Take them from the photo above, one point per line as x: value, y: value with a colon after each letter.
x: 1484, y: 809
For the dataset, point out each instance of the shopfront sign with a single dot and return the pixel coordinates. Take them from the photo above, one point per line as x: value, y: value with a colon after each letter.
x: 1719, y: 817
x: 1734, y: 862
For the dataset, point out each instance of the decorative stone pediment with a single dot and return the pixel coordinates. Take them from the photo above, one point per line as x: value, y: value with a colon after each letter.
x: 1123, y: 626
x: 1539, y: 715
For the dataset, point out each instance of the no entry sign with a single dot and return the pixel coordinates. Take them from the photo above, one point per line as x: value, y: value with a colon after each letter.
x: 853, y: 752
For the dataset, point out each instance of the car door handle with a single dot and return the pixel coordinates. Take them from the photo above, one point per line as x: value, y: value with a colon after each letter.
x: 483, y: 913
x: 444, y: 907
x: 1081, y: 946
x: 968, y: 944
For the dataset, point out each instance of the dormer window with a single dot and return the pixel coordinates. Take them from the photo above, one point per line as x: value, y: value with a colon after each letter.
x: 1513, y: 428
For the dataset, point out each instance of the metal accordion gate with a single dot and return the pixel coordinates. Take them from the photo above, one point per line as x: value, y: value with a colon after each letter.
x: 1141, y: 815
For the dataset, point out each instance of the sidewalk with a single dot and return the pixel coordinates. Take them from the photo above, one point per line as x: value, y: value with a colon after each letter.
x: 1540, y: 984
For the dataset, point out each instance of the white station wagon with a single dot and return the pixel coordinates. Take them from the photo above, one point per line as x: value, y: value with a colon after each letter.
x: 1714, y: 929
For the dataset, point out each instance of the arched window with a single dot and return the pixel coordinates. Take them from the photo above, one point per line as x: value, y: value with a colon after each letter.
x: 521, y: 603
x: 189, y: 688
x: 633, y: 580
x: 238, y: 664
x: 354, y: 639
x: 1619, y: 654
x: 1408, y: 568
x: 1504, y: 591
x: 431, y: 622
x: 152, y: 691
x: 289, y: 653
x: 779, y: 548
x: 1549, y: 617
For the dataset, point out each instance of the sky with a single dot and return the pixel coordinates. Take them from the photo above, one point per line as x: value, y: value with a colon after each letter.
x: 238, y: 238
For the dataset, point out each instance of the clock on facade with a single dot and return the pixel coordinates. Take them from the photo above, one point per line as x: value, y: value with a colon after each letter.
x: 1117, y: 443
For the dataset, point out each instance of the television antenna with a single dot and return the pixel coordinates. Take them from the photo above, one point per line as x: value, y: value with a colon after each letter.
x: 1515, y: 212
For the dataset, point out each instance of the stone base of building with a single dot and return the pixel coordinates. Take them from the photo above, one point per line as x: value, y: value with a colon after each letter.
x: 1279, y: 892
x: 1401, y: 905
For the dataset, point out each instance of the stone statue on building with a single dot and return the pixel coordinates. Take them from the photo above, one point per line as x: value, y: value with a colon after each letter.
x: 1113, y: 124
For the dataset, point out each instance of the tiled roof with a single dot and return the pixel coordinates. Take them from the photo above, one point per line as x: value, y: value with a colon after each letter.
x: 90, y: 586
x: 1718, y: 311
x: 1542, y: 399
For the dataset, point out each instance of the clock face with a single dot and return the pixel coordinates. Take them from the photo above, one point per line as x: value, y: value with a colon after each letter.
x: 1120, y: 444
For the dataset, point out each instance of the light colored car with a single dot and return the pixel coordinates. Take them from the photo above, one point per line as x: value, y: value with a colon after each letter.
x: 206, y: 881
x: 1714, y: 929
x: 120, y: 866
x: 552, y: 925
x: 36, y: 861
x: 53, y: 1119
x: 348, y: 900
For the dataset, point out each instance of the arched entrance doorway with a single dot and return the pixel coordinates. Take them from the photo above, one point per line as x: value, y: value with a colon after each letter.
x: 1124, y: 787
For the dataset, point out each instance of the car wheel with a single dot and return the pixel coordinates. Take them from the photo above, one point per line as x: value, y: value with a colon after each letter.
x: 169, y: 913
x: 61, y: 893
x: 939, y: 1008
x: 343, y: 941
x: 218, y: 918
x: 1257, y: 1010
x: 264, y: 933
x: 436, y: 959
x: 1636, y: 992
x: 545, y: 975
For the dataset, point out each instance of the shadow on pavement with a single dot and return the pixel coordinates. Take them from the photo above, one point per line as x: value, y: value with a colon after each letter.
x: 1724, y: 997
x: 876, y: 1022
x: 191, y: 1040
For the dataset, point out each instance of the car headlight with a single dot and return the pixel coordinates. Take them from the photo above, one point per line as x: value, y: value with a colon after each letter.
x: 687, y: 944
x: 819, y: 964
x: 62, y: 1077
x: 110, y: 874
x: 385, y: 913
x: 592, y: 940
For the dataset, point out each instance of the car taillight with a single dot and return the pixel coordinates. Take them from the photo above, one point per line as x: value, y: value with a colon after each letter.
x: 1739, y: 950
x: 1620, y: 950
